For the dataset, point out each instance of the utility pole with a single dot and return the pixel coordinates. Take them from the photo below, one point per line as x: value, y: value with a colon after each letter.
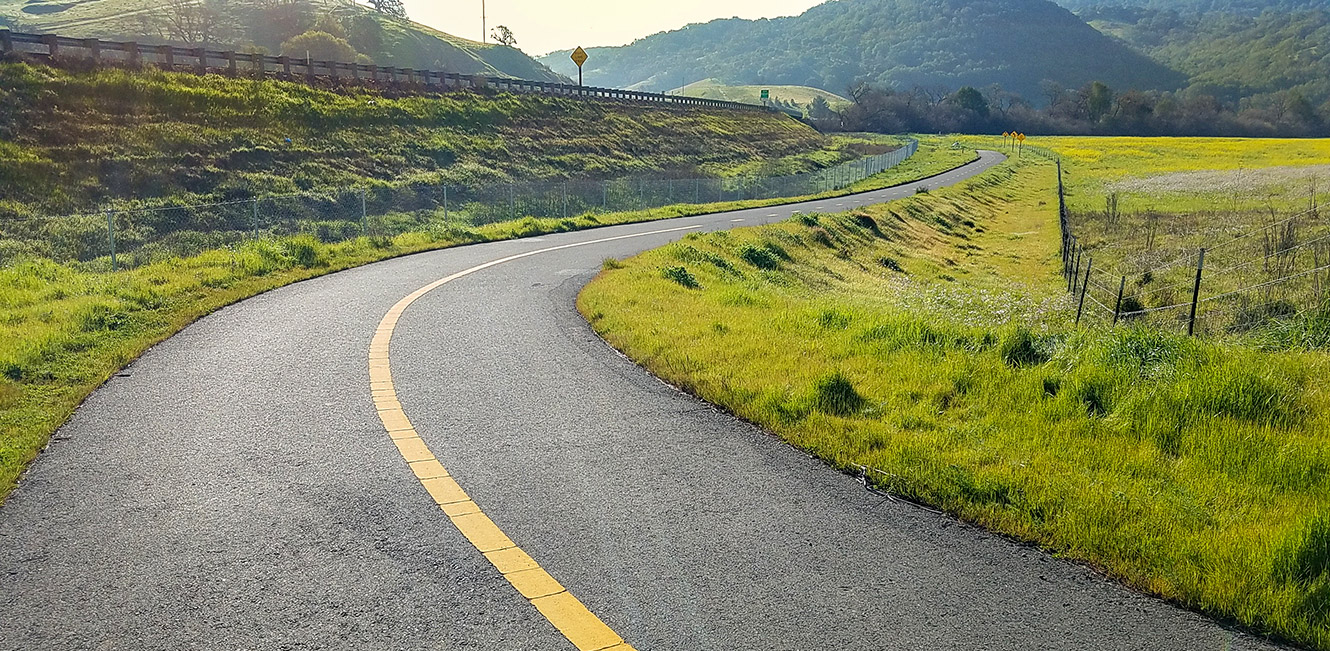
x: 484, y: 31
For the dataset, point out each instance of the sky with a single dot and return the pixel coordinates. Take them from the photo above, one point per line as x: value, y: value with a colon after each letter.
x: 542, y: 26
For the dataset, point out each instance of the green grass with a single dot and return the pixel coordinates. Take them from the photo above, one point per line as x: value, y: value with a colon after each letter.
x: 78, y: 140
x: 752, y: 94
x: 68, y: 327
x: 930, y: 339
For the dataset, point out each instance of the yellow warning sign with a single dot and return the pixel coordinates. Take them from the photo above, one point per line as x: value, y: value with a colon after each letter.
x: 578, y: 56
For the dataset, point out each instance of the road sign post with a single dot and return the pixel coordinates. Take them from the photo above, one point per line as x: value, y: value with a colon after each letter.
x: 579, y: 57
x: 766, y: 95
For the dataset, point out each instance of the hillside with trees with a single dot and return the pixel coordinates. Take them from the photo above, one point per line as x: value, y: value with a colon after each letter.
x: 334, y: 29
x: 893, y: 43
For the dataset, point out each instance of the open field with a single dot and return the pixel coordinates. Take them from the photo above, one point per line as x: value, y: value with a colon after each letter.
x: 67, y: 327
x: 930, y: 342
x: 801, y: 95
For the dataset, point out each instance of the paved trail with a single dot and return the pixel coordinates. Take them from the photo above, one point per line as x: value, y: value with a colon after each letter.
x: 237, y: 490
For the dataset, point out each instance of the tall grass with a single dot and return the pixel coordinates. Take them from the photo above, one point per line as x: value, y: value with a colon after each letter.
x: 1195, y: 469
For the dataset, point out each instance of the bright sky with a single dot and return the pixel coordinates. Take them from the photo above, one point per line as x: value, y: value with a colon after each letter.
x: 543, y: 26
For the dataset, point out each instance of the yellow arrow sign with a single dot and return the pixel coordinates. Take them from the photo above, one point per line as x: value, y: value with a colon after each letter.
x: 578, y: 56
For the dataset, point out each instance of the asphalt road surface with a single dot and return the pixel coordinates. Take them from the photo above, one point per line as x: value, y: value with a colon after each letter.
x: 235, y: 489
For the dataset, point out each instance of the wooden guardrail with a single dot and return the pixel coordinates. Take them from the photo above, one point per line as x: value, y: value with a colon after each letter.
x: 203, y: 60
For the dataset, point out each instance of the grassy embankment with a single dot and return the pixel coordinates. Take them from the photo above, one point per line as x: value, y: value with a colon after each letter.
x: 930, y: 339
x: 66, y: 327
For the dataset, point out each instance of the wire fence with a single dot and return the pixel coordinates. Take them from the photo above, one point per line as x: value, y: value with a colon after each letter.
x: 120, y: 237
x: 1275, y: 271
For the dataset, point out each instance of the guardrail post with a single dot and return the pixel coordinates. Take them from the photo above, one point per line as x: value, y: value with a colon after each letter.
x: 285, y: 62
x: 332, y: 69
x: 132, y: 50
x: 168, y: 56
x: 52, y: 45
x: 258, y: 65
x: 6, y: 43
x: 202, y: 65
x: 94, y: 47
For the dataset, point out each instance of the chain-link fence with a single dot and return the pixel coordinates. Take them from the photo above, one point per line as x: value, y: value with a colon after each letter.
x: 131, y: 237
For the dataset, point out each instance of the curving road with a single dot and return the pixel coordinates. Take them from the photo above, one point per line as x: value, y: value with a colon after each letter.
x: 235, y: 488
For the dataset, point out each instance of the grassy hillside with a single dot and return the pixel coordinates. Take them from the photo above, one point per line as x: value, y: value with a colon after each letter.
x: 72, y: 141
x: 1232, y: 53
x: 249, y: 24
x: 930, y: 340
x: 752, y: 94
x: 1015, y: 43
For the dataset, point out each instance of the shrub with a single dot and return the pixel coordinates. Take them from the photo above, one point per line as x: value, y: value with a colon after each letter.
x: 891, y: 264
x: 761, y: 258
x: 680, y: 274
x: 834, y: 394
x: 807, y: 219
x: 609, y: 264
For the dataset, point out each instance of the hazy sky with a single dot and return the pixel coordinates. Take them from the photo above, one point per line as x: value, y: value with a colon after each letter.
x: 543, y: 26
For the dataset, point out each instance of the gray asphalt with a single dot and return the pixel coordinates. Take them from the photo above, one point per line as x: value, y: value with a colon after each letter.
x: 235, y: 490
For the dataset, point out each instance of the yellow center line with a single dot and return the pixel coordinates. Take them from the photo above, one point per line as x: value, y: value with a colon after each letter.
x: 586, y: 631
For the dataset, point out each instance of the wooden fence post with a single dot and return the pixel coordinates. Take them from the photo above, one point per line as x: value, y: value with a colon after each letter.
x: 231, y: 67
x: 52, y: 45
x: 94, y: 47
x: 132, y: 50
x: 258, y: 65
x: 201, y: 66
x: 285, y: 62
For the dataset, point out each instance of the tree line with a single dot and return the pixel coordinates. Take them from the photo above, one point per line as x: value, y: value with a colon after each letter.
x: 1093, y: 109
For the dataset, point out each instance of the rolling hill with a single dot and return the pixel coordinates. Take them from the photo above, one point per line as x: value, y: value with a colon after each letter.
x: 902, y: 43
x: 1232, y: 50
x: 244, y: 24
x: 752, y: 94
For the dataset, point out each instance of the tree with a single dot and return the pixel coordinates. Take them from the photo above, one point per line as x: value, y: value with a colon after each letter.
x: 1098, y: 100
x: 319, y: 46
x: 970, y: 99
x: 503, y: 36
x: 393, y: 8
x: 196, y: 22
x: 819, y: 109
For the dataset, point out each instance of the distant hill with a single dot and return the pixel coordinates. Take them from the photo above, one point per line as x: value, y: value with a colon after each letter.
x: 800, y: 95
x: 902, y: 43
x: 1232, y: 49
x: 265, y: 25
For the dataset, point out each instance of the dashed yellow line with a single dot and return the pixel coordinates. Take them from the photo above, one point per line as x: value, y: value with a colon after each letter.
x: 586, y: 631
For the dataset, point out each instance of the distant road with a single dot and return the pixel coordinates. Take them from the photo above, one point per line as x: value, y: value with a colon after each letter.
x: 237, y: 490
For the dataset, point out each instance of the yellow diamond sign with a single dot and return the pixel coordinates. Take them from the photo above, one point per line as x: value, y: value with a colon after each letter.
x: 578, y: 56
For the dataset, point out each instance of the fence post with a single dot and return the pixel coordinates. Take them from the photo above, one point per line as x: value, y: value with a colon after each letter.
x: 364, y: 213
x: 1085, y: 287
x: 6, y: 43
x: 133, y: 50
x: 202, y: 54
x: 1117, y: 309
x: 512, y: 209
x: 52, y: 45
x: 285, y: 62
x: 254, y: 219
x: 110, y: 237
x: 445, y: 205
x: 231, y: 67
x: 94, y: 46
x: 1076, y: 275
x: 604, y: 195
x: 1196, y: 294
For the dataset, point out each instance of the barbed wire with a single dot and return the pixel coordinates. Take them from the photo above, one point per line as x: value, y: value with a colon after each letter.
x: 1268, y: 283
x: 1229, y: 242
